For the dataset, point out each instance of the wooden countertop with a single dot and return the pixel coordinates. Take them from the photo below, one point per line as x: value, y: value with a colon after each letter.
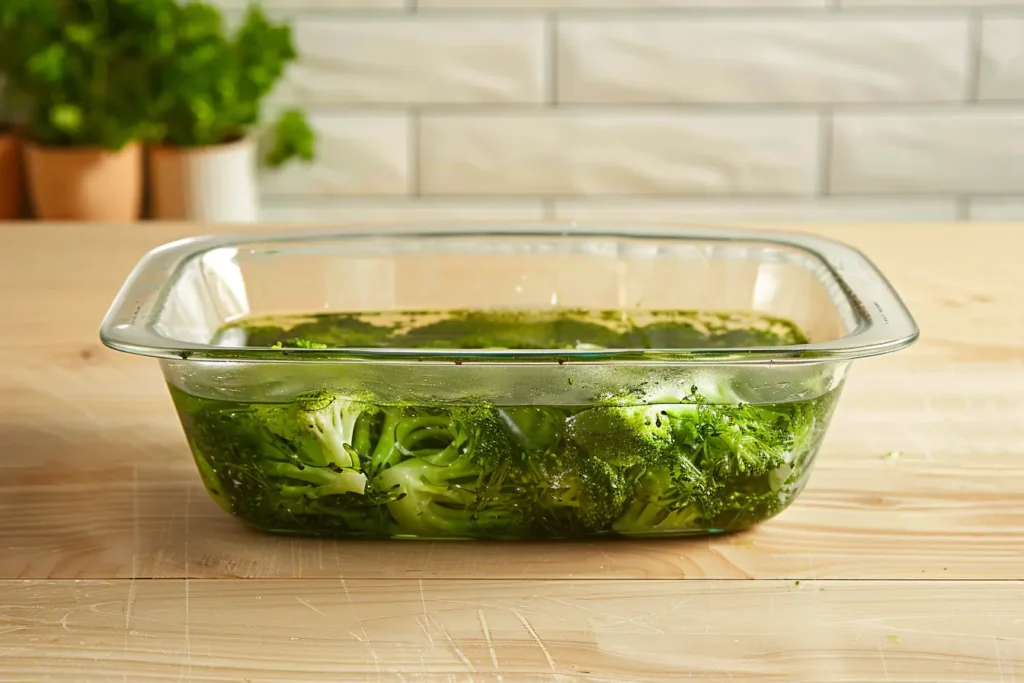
x: 116, y: 565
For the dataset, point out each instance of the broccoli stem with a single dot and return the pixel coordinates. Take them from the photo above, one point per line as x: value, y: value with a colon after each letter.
x: 327, y: 481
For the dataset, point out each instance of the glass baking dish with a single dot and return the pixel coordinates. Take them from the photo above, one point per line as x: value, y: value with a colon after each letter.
x: 711, y: 426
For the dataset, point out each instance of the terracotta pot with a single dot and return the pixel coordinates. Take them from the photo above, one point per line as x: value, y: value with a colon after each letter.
x: 10, y: 177
x: 204, y: 184
x: 86, y: 183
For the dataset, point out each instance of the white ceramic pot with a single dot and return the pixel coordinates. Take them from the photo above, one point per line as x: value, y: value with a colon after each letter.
x: 204, y: 184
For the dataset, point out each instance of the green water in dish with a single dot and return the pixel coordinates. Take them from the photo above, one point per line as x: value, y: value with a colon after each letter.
x: 516, y: 330
x: 332, y: 464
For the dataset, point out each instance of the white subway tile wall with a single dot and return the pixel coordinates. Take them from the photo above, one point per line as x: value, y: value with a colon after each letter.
x: 413, y: 59
x: 363, y: 153
x: 620, y: 152
x: 1001, y: 66
x: 946, y: 152
x: 997, y: 209
x: 427, y: 210
x: 724, y: 111
x: 758, y: 212
x: 314, y: 4
x: 613, y: 4
x: 749, y: 61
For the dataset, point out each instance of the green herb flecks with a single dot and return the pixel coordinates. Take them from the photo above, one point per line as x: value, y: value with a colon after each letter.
x: 328, y: 464
x: 340, y: 464
x: 522, y: 330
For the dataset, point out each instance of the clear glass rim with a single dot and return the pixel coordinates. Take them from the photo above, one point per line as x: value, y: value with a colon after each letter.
x: 885, y: 323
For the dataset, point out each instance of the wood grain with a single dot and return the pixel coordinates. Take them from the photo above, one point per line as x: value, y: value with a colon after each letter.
x: 116, y: 565
x: 379, y: 630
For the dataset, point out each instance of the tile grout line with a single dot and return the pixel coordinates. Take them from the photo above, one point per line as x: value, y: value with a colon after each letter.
x: 648, y: 13
x: 548, y: 208
x: 905, y: 196
x: 413, y: 152
x: 550, y: 49
x: 825, y: 135
x: 975, y: 30
x: 963, y: 208
x: 503, y: 578
x: 682, y: 109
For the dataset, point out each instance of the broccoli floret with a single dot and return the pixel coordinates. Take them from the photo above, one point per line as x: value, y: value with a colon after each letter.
x: 729, y: 466
x: 748, y: 440
x: 657, y: 462
x: 325, y: 481
x: 637, y: 445
x: 455, y: 479
x: 406, y: 432
x: 320, y: 429
x: 332, y: 420
x: 587, y: 483
x: 665, y: 498
x: 693, y: 464
x: 672, y: 495
x: 578, y: 494
x: 537, y: 429
x: 733, y: 441
x: 626, y: 435
x: 575, y: 491
x: 282, y: 461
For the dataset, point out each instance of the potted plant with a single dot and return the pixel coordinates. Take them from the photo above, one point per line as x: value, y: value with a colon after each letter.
x: 12, y: 109
x: 84, y: 66
x: 211, y: 92
x: 11, y: 190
